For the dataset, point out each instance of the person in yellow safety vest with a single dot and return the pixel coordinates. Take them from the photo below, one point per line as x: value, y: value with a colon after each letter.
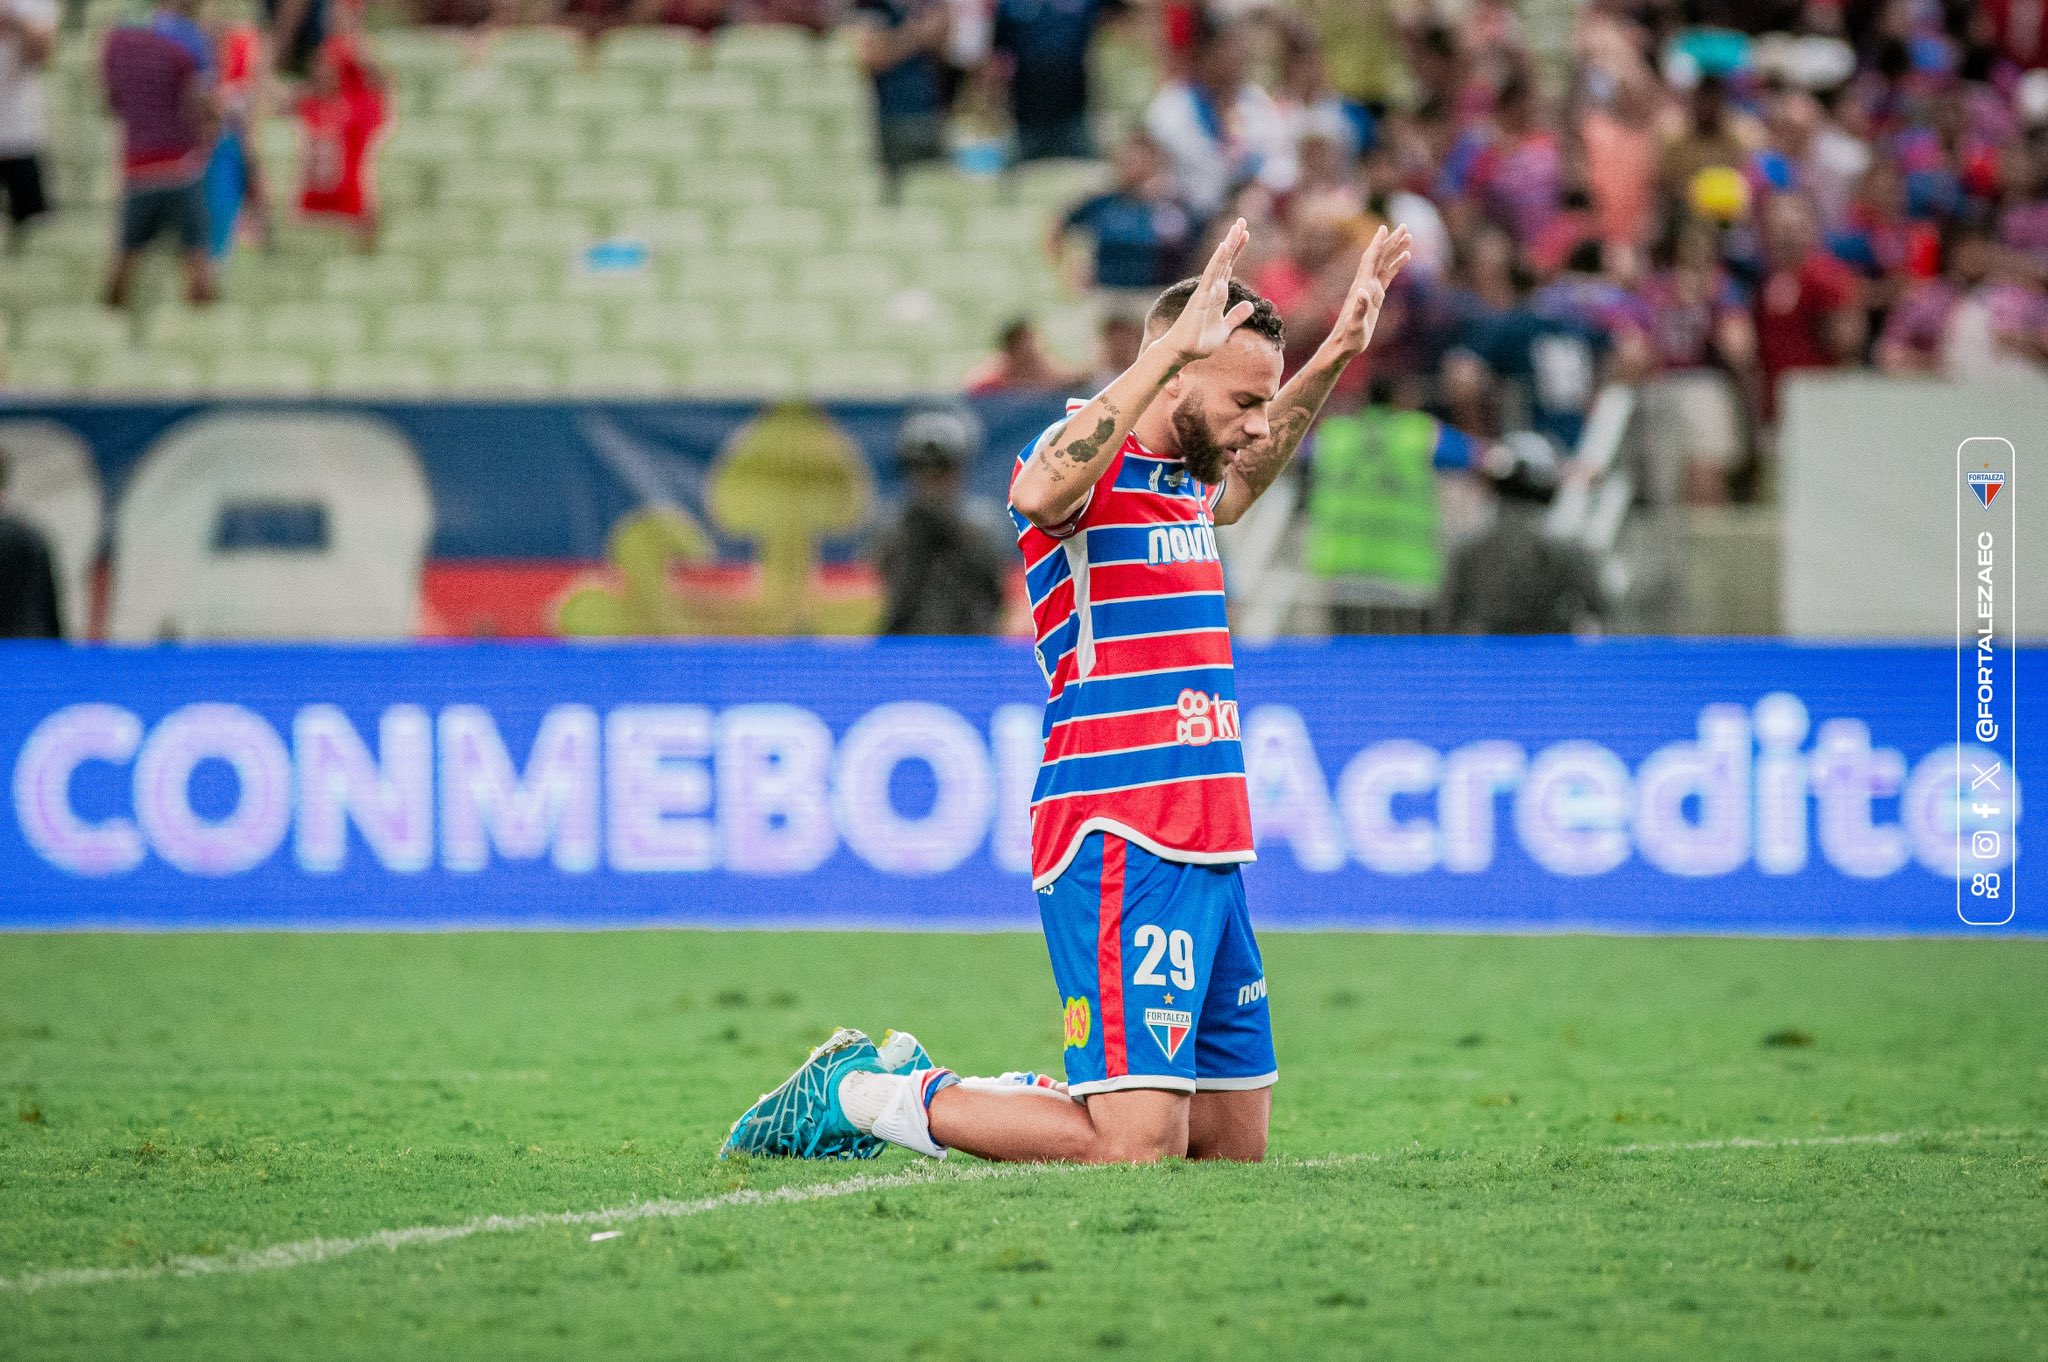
x: 1372, y: 510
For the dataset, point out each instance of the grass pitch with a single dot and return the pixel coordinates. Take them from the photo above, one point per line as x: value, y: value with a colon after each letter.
x: 1484, y: 1147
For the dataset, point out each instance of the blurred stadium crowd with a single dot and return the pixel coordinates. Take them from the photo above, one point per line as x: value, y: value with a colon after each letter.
x: 1685, y: 200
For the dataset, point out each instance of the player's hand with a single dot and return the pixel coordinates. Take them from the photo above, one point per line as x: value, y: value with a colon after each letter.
x: 1384, y: 256
x: 1208, y: 319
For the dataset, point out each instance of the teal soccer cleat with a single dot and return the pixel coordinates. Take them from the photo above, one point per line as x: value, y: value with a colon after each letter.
x: 802, y: 1119
x: 901, y: 1054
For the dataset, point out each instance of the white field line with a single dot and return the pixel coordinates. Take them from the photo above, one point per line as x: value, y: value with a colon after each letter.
x: 303, y: 1251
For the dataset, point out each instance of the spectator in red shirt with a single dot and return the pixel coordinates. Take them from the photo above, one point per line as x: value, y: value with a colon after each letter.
x: 340, y: 116
x: 1976, y: 319
x: 1022, y: 364
x: 1807, y: 309
x: 160, y: 89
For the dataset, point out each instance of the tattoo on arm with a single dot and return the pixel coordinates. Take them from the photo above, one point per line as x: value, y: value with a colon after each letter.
x: 1294, y: 412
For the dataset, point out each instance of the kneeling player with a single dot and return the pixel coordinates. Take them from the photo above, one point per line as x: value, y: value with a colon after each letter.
x: 1140, y: 817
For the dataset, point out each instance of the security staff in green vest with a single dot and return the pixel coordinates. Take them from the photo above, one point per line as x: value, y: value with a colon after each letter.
x: 1372, y: 498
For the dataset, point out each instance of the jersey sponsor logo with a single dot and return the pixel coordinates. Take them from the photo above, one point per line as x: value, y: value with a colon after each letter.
x: 1077, y: 1023
x: 1204, y: 719
x: 1252, y: 991
x: 1169, y: 1026
x: 1181, y: 544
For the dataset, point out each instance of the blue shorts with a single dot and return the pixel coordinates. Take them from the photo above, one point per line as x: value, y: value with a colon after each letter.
x: 1159, y: 973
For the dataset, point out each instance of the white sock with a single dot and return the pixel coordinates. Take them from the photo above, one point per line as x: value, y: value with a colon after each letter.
x: 892, y: 1107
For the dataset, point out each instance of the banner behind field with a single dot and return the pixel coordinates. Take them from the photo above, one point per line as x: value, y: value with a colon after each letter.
x: 1643, y: 786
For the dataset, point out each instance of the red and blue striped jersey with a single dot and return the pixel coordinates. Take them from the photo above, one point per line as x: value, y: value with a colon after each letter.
x: 1141, y: 731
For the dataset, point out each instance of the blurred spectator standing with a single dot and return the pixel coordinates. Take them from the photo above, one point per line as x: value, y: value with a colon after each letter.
x: 1045, y: 43
x: 28, y: 38
x: 1141, y: 234
x: 1372, y: 508
x: 296, y: 30
x: 1021, y: 364
x: 341, y: 116
x: 1807, y: 315
x: 1309, y: 281
x: 1119, y: 337
x: 1511, y: 577
x: 1511, y: 171
x: 943, y: 565
x: 1981, y: 318
x: 28, y: 577
x: 1220, y: 132
x: 159, y: 85
x: 1712, y: 137
x: 234, y: 175
x: 901, y: 46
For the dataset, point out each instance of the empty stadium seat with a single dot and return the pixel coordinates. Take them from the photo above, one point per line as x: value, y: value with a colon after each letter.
x: 494, y: 279
x: 488, y: 184
x: 620, y: 373
x: 150, y: 372
x: 261, y: 372
x: 781, y: 229
x: 612, y: 92
x: 383, y: 375
x: 724, y: 372
x: 312, y: 328
x: 858, y: 373
x: 558, y: 232
x: 435, y: 328
x: 549, y: 138
x: 550, y: 328
x: 606, y: 184
x: 647, y: 51
x: 845, y: 274
x: 372, y: 279
x: 497, y: 371
x: 668, y: 328
x: 533, y: 49
x: 74, y: 329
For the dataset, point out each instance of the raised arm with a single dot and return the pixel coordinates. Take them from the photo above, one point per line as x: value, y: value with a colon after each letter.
x: 1294, y: 410
x: 1055, y: 481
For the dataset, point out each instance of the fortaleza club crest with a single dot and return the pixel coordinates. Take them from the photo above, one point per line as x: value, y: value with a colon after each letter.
x: 1985, y: 484
x: 1077, y: 1023
x: 1169, y: 1027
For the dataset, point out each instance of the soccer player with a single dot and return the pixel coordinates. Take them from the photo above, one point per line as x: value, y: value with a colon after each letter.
x: 1140, y: 818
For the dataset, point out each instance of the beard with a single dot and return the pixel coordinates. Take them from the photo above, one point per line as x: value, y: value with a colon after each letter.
x: 1199, y: 450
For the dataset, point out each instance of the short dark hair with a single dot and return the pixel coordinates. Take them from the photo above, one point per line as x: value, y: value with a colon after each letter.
x: 1264, y: 321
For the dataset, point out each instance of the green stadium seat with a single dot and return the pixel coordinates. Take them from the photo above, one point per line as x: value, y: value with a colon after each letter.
x: 263, y: 373
x: 431, y: 138
x: 75, y: 329
x: 322, y: 329
x: 759, y: 134
x: 373, y: 279
x: 721, y: 372
x: 844, y: 274
x: 435, y: 328
x: 554, y: 232
x: 416, y: 54
x: 669, y: 328
x: 32, y: 281
x: 780, y: 228
x: 769, y: 48
x: 1010, y: 230
x: 404, y: 184
x: 707, y: 92
x: 78, y: 238
x: 436, y: 230
x: 793, y: 323
x: 532, y: 48
x: 730, y: 281
x: 612, y: 92
x: 621, y: 373
x: 495, y: 279
x: 554, y: 329
x: 920, y: 320
x: 606, y: 184
x: 499, y: 371
x: 860, y: 373
x: 541, y: 139
x: 610, y: 285
x: 177, y: 328
x: 1048, y: 186
x: 383, y: 375
x: 970, y: 274
x: 722, y: 183
x: 646, y: 51
x: 902, y: 231
x: 150, y: 372
x: 493, y: 185
x: 485, y: 92
x: 80, y: 182
x: 667, y: 232
x: 40, y: 371
x: 663, y: 138
x: 948, y: 190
